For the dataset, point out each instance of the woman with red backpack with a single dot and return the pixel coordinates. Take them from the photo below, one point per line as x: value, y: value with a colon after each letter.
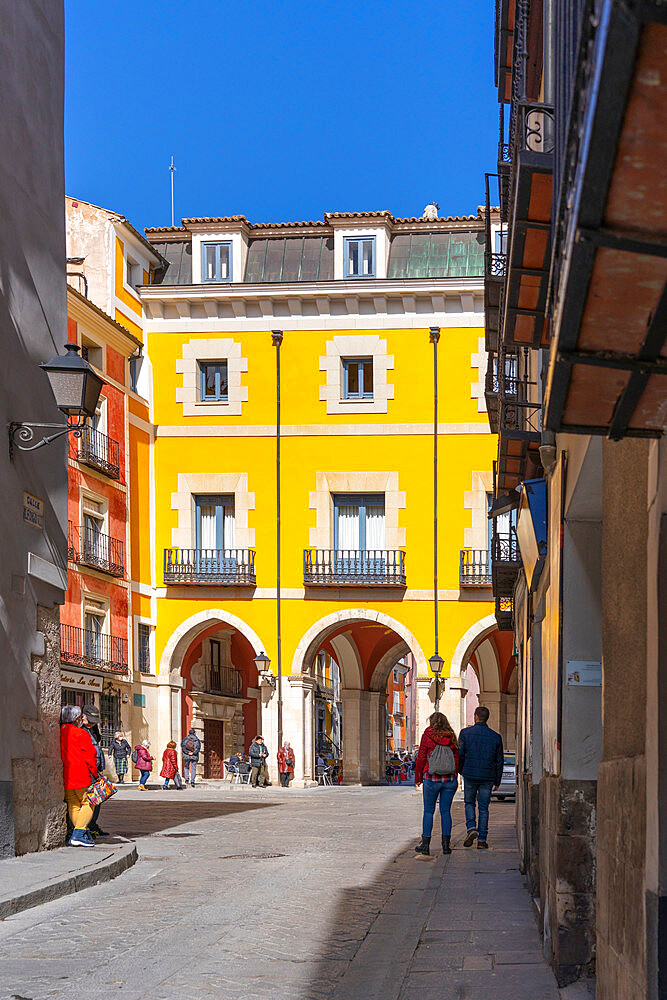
x: 437, y: 768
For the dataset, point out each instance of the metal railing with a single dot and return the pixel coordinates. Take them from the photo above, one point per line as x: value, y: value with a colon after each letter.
x: 91, y: 548
x: 85, y: 647
x: 505, y: 614
x: 100, y: 452
x: 371, y: 567
x: 505, y: 547
x: 221, y: 680
x: 218, y: 566
x: 475, y: 568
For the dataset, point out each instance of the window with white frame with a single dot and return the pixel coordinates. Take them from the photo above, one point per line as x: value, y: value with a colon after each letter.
x: 213, y: 381
x: 132, y: 272
x: 359, y: 256
x: 357, y: 378
x: 95, y: 611
x: 216, y: 261
x: 93, y: 521
x: 92, y: 353
x: 397, y: 703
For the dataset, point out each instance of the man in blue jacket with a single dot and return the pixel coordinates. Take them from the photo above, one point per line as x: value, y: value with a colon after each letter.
x: 481, y: 764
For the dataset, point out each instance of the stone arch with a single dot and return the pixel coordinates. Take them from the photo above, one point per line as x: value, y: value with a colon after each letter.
x: 386, y: 664
x: 467, y: 643
x: 318, y: 632
x: 182, y: 636
x: 347, y: 658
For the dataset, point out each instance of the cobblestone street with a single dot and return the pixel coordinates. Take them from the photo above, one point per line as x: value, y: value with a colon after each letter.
x: 273, y: 894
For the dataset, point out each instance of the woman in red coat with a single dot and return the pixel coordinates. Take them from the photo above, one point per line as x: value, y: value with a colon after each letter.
x: 285, y: 764
x: 79, y: 758
x: 440, y: 784
x: 169, y: 764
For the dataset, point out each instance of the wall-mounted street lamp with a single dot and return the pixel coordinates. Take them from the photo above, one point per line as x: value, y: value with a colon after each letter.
x: 436, y: 663
x: 263, y: 664
x: 76, y: 388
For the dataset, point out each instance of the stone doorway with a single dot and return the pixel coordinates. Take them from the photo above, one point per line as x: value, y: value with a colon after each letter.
x: 213, y: 749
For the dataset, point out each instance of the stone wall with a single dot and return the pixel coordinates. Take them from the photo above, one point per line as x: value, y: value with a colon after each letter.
x: 621, y: 911
x: 567, y: 875
x: 39, y: 810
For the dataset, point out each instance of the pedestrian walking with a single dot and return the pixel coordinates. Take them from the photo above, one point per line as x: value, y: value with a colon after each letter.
x: 120, y: 751
x: 190, y: 748
x: 258, y: 753
x: 143, y: 762
x: 436, y: 769
x: 90, y: 715
x: 170, y: 765
x: 286, y: 762
x: 481, y: 764
x: 79, y: 759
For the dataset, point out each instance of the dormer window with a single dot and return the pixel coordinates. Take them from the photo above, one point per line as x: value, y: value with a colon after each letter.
x: 359, y: 257
x: 216, y: 261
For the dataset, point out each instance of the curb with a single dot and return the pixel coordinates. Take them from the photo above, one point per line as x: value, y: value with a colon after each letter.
x: 104, y: 870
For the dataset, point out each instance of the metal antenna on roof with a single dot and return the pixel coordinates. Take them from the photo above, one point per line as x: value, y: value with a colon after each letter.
x: 172, y: 171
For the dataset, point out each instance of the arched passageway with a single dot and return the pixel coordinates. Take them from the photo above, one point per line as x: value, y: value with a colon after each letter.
x: 490, y: 675
x: 213, y: 685
x: 365, y: 647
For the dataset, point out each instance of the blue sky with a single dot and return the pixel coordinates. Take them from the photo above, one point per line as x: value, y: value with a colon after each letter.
x: 276, y: 110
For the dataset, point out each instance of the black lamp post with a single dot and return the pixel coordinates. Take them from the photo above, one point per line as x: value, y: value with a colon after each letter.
x: 436, y: 663
x: 262, y: 662
x: 76, y: 388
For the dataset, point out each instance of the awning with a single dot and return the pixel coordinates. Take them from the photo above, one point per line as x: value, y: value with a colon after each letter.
x: 531, y: 529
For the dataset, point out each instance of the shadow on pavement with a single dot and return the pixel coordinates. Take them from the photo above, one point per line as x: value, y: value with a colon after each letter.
x: 136, y: 818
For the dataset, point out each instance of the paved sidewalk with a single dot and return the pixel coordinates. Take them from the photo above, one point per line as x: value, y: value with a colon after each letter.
x: 457, y: 928
x: 47, y: 875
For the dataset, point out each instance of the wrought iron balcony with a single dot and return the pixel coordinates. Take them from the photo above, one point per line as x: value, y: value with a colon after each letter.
x: 213, y: 678
x: 505, y: 614
x: 475, y: 568
x: 354, y: 567
x: 213, y: 566
x: 91, y: 548
x: 506, y: 562
x: 83, y: 647
x: 100, y: 452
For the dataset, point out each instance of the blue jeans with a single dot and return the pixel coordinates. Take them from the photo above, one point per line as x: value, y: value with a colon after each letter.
x: 434, y: 790
x: 144, y: 777
x: 480, y: 791
x: 190, y: 771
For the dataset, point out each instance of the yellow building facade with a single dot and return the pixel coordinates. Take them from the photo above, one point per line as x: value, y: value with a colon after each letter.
x: 353, y: 297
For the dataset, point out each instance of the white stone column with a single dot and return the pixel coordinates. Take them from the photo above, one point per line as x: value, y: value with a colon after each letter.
x: 299, y: 726
x: 376, y: 725
x: 425, y: 704
x: 453, y: 701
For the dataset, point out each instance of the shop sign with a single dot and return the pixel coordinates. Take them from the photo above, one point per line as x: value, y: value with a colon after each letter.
x: 73, y: 679
x: 33, y: 510
x: 584, y: 673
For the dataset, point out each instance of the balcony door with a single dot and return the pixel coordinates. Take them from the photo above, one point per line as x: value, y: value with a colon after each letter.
x: 214, y: 526
x: 359, y: 534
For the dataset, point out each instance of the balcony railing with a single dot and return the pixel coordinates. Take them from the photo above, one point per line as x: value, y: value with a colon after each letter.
x: 221, y: 680
x: 475, y: 568
x: 505, y: 614
x: 100, y: 452
x: 92, y: 548
x: 216, y: 566
x: 346, y: 567
x: 84, y: 647
x: 506, y: 547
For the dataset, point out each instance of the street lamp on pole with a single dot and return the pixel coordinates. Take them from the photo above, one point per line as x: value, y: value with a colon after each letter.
x: 276, y: 340
x: 436, y: 663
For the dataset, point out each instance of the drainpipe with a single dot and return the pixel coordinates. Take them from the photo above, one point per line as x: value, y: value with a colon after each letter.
x: 277, y: 339
x: 434, y: 336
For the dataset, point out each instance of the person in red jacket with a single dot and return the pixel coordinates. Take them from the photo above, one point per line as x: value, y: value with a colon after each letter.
x: 79, y: 758
x: 285, y: 764
x: 437, y: 786
x: 143, y: 763
x: 169, y: 764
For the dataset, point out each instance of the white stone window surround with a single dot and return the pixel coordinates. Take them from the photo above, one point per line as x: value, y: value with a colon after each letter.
x: 239, y: 244
x: 356, y: 346
x: 475, y: 500
x: 192, y: 484
x: 329, y: 483
x: 211, y: 349
x: 479, y: 361
x: 140, y: 620
x: 358, y: 232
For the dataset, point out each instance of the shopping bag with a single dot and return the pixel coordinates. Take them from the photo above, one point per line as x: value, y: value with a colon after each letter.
x: 101, y: 790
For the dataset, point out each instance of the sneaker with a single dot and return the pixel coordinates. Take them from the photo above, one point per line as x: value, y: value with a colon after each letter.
x: 482, y: 845
x: 471, y: 837
x: 80, y: 838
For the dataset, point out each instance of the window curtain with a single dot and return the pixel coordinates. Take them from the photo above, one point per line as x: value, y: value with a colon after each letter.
x: 207, y: 532
x: 228, y: 539
x: 348, y: 526
x: 374, y: 528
